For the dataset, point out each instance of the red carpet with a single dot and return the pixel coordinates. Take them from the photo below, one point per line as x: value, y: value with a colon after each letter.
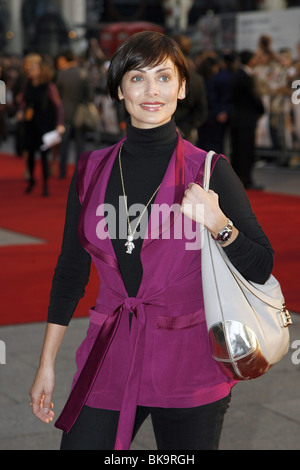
x: 279, y: 215
x: 27, y: 270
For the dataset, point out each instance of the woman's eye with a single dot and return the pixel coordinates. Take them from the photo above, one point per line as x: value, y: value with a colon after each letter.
x: 164, y: 78
x: 136, y: 78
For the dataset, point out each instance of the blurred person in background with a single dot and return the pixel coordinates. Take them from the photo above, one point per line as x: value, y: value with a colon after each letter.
x: 2, y: 104
x: 265, y: 69
x: 191, y: 112
x: 14, y: 81
x: 247, y: 107
x: 73, y: 87
x: 282, y: 118
x: 264, y: 47
x: 41, y: 112
x: 208, y: 68
x: 221, y: 97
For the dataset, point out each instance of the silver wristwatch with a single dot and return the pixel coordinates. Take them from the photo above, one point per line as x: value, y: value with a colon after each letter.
x: 225, y: 234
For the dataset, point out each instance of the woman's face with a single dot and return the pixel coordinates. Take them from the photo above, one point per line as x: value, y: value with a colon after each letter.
x: 151, y: 94
x: 32, y: 70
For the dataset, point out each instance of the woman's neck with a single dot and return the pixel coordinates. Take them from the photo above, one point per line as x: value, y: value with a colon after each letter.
x: 146, y: 143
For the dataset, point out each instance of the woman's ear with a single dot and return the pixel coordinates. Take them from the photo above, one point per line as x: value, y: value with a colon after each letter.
x: 120, y: 94
x: 182, y: 90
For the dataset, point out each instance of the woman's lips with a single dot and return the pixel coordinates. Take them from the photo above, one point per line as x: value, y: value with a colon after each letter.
x: 152, y: 106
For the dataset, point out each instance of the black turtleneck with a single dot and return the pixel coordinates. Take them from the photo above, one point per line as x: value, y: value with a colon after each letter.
x: 145, y: 157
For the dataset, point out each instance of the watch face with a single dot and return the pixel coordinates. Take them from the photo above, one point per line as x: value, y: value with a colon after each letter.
x: 225, y: 236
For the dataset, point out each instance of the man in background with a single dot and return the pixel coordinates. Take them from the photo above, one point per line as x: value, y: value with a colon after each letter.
x: 72, y: 84
x: 247, y: 108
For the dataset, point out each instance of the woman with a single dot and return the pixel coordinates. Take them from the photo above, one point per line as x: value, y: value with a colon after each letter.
x: 146, y: 349
x: 41, y: 111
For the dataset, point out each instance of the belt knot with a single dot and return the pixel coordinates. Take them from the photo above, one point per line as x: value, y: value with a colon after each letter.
x: 131, y: 304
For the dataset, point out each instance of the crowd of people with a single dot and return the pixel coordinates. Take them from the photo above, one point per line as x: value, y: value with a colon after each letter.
x: 229, y: 94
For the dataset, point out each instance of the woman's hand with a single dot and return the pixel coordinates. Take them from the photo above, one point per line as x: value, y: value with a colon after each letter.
x: 203, y: 207
x: 61, y: 129
x: 41, y: 394
x: 43, y: 385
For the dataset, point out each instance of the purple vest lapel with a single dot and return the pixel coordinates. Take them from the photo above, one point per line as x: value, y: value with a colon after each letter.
x: 109, y: 259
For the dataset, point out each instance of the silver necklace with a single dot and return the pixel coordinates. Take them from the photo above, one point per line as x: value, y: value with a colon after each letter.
x: 129, y: 243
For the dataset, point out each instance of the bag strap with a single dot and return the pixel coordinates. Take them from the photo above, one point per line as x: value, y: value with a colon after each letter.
x: 207, y: 170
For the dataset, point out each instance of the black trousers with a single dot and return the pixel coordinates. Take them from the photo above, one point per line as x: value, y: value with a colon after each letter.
x: 44, y: 163
x: 79, y: 139
x: 32, y: 144
x: 196, y: 428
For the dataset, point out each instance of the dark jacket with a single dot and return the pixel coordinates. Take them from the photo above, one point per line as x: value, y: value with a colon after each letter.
x: 246, y: 102
x: 73, y: 88
x: 191, y: 112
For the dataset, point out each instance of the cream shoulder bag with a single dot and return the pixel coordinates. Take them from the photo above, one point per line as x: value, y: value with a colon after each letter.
x: 247, y: 322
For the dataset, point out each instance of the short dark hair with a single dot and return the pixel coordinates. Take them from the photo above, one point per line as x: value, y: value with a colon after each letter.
x: 246, y: 56
x: 145, y: 49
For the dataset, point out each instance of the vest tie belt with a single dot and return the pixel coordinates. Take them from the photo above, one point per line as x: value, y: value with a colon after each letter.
x: 83, y: 386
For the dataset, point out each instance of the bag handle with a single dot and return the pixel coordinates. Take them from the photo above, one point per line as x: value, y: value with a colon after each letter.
x: 207, y: 170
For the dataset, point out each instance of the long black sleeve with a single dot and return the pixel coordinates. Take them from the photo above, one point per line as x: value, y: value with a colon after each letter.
x: 73, y: 266
x: 251, y: 253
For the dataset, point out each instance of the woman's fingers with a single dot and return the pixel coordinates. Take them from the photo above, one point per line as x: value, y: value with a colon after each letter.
x: 203, y: 207
x: 192, y: 204
x: 42, y: 407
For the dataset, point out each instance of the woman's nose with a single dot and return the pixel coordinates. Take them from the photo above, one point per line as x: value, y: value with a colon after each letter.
x: 152, y: 88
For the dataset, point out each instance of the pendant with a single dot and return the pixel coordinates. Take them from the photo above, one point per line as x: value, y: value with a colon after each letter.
x: 129, y: 244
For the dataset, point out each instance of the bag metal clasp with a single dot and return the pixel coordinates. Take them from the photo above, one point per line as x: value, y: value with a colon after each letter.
x: 286, y: 316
